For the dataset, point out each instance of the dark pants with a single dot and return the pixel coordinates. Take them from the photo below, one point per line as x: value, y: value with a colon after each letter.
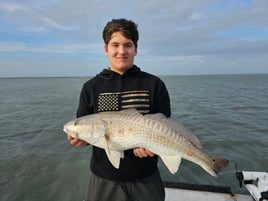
x: 146, y: 189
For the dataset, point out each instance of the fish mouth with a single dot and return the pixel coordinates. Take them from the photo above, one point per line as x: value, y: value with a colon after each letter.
x: 67, y: 131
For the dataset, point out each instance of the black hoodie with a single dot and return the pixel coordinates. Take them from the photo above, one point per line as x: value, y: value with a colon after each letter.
x: 110, y: 91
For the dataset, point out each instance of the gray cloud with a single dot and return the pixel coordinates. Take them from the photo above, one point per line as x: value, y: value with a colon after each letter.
x: 177, y: 33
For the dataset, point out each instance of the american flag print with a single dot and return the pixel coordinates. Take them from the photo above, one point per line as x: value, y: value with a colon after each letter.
x: 124, y: 100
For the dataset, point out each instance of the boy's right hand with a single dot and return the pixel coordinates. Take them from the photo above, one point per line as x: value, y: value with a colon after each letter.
x: 76, y: 142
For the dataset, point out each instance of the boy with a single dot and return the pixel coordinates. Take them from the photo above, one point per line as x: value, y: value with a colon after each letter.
x: 123, y: 85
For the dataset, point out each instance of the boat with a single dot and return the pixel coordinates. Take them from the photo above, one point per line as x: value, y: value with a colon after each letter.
x: 255, y: 182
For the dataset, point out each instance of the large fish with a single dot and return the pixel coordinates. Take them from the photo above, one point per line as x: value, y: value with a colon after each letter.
x: 127, y: 129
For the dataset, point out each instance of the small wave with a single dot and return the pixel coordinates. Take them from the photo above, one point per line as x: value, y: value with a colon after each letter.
x: 245, y: 107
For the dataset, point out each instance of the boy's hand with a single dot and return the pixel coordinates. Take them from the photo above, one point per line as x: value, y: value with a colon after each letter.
x: 141, y: 152
x: 76, y: 142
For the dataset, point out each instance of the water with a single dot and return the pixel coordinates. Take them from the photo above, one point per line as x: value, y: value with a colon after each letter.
x: 228, y: 113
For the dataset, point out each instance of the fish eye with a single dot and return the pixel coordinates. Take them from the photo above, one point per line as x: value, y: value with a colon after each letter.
x: 76, y: 122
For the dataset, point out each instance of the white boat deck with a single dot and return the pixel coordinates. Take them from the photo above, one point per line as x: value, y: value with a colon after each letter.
x: 188, y: 192
x: 193, y: 195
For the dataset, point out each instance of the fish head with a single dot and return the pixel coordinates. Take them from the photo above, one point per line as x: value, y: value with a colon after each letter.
x: 88, y: 128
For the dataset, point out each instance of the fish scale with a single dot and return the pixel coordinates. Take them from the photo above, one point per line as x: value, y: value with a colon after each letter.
x: 157, y: 135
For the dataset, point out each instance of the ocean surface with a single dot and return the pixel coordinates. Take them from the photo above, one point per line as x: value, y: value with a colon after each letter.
x: 228, y: 113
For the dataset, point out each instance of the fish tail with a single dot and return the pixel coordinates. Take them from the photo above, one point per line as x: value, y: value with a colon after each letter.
x: 219, y: 163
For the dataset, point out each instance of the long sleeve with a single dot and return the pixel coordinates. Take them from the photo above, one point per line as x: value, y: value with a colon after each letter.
x: 84, y: 103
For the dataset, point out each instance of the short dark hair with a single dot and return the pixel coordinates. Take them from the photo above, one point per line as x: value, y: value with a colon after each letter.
x: 128, y: 28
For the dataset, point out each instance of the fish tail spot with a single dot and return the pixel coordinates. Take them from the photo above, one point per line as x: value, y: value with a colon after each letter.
x: 190, y: 153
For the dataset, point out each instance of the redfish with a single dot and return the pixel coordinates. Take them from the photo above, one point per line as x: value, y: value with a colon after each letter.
x: 128, y: 129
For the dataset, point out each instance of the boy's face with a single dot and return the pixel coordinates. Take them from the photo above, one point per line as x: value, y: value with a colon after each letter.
x: 120, y: 52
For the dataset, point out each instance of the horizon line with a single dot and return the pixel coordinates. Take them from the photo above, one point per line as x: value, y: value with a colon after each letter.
x: 169, y: 75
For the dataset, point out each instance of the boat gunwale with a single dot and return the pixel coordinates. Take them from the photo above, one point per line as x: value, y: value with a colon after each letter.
x: 199, y: 187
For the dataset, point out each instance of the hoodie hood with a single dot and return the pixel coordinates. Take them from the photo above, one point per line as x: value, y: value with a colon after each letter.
x: 109, y: 74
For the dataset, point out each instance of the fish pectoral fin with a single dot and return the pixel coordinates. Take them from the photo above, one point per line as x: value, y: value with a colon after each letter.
x: 114, y: 157
x: 172, y: 163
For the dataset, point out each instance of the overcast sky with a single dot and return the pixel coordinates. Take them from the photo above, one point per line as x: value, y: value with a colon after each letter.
x: 64, y: 37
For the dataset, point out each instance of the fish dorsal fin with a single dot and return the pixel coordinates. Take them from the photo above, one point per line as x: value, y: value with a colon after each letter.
x: 157, y: 116
x: 130, y: 111
x: 172, y: 163
x: 176, y: 126
x: 186, y: 133
x: 114, y: 157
